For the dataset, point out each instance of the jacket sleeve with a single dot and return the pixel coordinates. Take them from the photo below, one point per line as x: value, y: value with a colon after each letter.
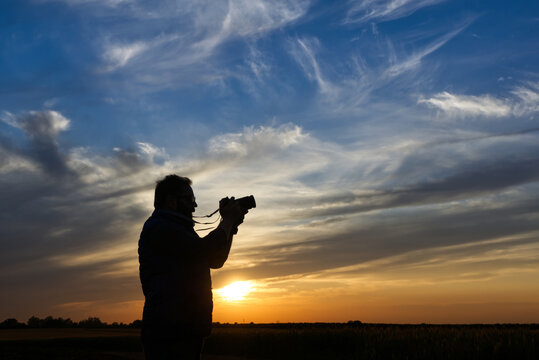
x: 219, y: 254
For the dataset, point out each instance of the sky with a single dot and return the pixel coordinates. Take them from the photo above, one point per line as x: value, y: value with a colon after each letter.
x: 392, y: 147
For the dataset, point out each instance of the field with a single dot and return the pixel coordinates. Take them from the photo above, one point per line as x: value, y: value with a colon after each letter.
x: 290, y: 341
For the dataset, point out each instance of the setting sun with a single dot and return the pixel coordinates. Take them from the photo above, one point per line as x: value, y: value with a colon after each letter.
x: 236, y: 291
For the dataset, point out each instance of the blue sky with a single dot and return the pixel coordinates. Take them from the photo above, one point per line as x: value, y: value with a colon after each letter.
x: 378, y: 136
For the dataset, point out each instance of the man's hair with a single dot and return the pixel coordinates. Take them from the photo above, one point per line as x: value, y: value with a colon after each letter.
x: 169, y: 185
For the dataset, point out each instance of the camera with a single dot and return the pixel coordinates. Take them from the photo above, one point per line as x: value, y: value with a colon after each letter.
x: 246, y: 203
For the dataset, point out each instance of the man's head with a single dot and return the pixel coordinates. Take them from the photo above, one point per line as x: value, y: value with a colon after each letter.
x: 175, y: 193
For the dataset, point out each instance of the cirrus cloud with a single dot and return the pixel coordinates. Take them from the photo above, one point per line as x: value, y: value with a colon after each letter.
x: 525, y: 101
x: 384, y: 10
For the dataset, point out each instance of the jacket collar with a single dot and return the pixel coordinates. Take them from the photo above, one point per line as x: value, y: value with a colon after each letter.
x: 176, y: 216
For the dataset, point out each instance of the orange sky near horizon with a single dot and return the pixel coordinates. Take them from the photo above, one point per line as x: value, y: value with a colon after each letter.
x: 421, y: 296
x: 398, y: 303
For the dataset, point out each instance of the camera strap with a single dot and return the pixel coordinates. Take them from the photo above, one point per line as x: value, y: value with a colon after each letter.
x: 203, y: 216
x: 207, y: 223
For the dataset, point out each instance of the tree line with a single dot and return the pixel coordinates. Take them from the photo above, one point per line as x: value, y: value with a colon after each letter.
x: 94, y: 322
x: 51, y: 322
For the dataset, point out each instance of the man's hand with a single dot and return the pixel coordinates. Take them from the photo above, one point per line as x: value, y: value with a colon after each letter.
x: 231, y: 210
x: 232, y: 214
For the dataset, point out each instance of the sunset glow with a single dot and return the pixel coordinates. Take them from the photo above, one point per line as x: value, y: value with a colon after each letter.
x: 236, y: 291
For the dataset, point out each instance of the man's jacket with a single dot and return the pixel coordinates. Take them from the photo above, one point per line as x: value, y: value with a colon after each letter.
x: 175, y: 275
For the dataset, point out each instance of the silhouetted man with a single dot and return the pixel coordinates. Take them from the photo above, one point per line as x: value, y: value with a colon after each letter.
x: 175, y: 270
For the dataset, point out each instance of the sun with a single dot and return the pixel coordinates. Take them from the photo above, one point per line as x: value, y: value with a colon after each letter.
x: 236, y: 291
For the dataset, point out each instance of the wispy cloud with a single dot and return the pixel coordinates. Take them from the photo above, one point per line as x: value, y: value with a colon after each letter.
x: 525, y: 101
x: 249, y: 17
x: 412, y: 61
x: 468, y: 105
x: 111, y: 3
x: 118, y: 55
x: 152, y: 152
x: 255, y: 141
x: 383, y: 10
x: 347, y: 84
x: 528, y: 99
x: 183, y: 49
x: 303, y: 51
x: 257, y: 63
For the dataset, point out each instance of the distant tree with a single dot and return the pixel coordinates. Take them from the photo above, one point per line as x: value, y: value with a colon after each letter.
x: 136, y: 324
x: 50, y: 322
x: 35, y: 322
x: 67, y: 323
x: 92, y: 322
x: 11, y: 324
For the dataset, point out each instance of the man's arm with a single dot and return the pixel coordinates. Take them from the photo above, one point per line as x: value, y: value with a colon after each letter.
x: 233, y: 216
x: 171, y: 240
x: 218, y: 257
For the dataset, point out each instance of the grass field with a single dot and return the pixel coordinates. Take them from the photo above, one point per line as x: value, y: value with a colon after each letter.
x: 293, y: 341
